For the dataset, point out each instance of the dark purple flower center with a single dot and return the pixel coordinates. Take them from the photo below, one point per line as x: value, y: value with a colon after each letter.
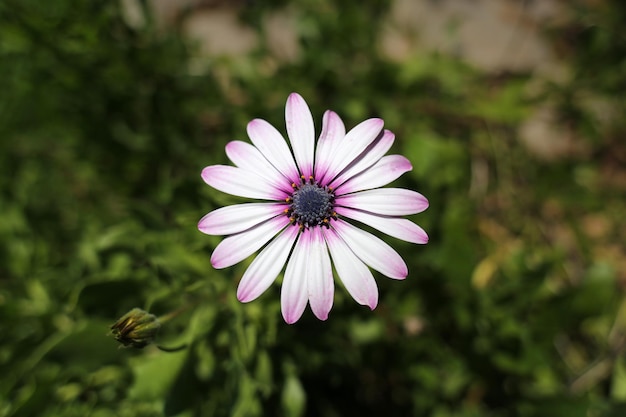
x: 311, y: 204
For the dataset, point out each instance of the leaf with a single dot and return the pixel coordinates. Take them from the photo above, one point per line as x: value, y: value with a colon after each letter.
x: 293, y: 397
x: 155, y: 373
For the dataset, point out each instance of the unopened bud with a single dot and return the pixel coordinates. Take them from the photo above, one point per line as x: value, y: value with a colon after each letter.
x: 137, y: 328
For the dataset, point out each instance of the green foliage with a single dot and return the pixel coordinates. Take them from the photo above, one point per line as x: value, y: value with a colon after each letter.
x: 515, y: 307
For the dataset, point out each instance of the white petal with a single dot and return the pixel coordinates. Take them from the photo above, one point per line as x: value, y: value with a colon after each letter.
x: 397, y: 227
x: 356, y: 277
x: 351, y: 146
x: 320, y: 283
x: 234, y: 219
x: 301, y: 132
x: 385, y: 201
x: 333, y: 130
x: 372, y: 250
x: 368, y: 158
x: 249, y: 158
x: 387, y: 169
x: 293, y: 293
x: 239, y: 182
x: 266, y: 266
x: 272, y: 145
x: 238, y: 247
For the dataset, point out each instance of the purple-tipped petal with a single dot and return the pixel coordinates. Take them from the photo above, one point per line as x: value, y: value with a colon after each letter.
x: 234, y: 219
x: 272, y: 145
x: 248, y: 157
x: 368, y: 158
x: 356, y: 277
x: 320, y: 283
x: 236, y: 248
x: 333, y: 130
x: 387, y: 169
x: 351, y: 146
x: 396, y: 227
x: 266, y: 266
x: 301, y: 132
x: 293, y: 293
x: 239, y: 182
x: 372, y: 250
x: 385, y: 201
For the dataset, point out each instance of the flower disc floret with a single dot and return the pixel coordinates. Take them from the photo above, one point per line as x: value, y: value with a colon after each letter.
x: 311, y: 205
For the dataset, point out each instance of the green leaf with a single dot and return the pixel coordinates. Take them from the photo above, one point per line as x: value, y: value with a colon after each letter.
x: 293, y: 397
x: 155, y: 373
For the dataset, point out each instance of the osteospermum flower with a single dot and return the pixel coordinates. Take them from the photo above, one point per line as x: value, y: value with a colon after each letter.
x: 314, y: 197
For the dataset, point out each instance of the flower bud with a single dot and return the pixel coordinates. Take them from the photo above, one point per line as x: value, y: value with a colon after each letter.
x: 137, y: 328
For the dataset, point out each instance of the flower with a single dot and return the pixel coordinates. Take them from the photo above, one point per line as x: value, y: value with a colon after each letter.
x: 315, y: 197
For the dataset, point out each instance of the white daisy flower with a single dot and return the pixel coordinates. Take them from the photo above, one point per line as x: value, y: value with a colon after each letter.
x: 312, y: 199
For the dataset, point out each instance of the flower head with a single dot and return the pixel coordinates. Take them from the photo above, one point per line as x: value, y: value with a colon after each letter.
x: 314, y: 196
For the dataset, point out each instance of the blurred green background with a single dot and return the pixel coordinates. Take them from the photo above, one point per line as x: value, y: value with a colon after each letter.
x: 512, y: 113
